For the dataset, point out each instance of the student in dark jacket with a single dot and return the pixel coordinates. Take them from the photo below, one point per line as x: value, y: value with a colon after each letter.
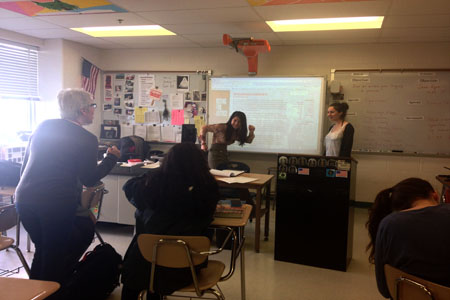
x: 339, y: 140
x: 408, y: 230
x: 61, y: 157
x: 178, y: 199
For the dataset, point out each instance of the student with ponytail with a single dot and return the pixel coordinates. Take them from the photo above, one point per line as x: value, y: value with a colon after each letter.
x: 409, y: 230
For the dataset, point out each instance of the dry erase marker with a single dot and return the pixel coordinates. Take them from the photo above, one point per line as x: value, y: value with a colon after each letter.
x: 399, y: 151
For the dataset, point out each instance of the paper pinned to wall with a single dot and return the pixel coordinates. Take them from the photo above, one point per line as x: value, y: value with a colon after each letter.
x: 152, y: 117
x: 199, y: 122
x: 177, y: 117
x: 146, y: 83
x: 139, y: 114
x: 126, y: 130
x: 167, y: 133
x: 140, y: 130
x: 154, y: 133
x: 176, y: 101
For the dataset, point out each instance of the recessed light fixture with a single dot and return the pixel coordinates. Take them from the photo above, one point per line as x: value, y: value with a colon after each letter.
x: 326, y: 24
x: 116, y: 31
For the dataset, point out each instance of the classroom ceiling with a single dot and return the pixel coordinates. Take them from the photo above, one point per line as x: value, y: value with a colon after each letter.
x: 201, y: 23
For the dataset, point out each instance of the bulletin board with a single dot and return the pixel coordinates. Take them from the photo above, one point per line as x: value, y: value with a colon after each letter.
x: 153, y: 105
x: 400, y: 111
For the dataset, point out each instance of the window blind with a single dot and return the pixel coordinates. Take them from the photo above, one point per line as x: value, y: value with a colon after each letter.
x: 18, y: 72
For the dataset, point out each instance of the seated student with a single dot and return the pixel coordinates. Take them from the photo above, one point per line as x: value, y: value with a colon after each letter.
x: 409, y: 230
x: 177, y: 199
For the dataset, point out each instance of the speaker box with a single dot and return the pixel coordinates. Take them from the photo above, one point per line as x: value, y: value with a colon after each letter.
x: 188, y: 133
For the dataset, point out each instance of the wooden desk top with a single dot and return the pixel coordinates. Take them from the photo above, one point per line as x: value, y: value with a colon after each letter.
x: 234, y: 222
x: 7, y: 190
x: 262, y: 179
x: 26, y: 289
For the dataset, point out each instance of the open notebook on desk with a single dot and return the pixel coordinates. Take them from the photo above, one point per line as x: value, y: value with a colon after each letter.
x: 239, y: 179
x: 226, y: 173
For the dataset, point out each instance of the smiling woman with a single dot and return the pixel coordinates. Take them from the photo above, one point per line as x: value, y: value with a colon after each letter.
x: 339, y: 140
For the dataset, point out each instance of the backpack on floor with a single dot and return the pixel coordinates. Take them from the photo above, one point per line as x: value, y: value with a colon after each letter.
x: 96, y: 275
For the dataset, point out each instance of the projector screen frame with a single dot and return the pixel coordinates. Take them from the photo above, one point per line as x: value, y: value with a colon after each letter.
x: 319, y: 108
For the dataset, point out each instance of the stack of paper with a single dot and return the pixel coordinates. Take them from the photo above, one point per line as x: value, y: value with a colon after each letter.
x: 226, y: 173
x: 239, y: 179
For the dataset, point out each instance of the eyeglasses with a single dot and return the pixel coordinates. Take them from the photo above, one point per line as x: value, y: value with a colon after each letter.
x: 94, y: 105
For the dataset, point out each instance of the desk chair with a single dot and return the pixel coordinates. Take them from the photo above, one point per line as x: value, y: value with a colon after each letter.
x: 9, y: 219
x: 92, y: 198
x: 403, y: 286
x: 182, y: 252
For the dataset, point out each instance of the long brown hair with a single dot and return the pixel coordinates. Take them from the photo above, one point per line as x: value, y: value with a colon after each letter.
x: 399, y: 197
x: 242, y: 132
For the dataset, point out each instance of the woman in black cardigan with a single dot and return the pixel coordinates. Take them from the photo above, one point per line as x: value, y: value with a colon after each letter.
x: 339, y: 140
x: 178, y: 199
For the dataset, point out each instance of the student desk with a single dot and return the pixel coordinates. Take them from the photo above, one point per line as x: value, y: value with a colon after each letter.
x: 238, y: 247
x: 7, y: 191
x: 26, y: 289
x: 445, y: 180
x: 262, y: 181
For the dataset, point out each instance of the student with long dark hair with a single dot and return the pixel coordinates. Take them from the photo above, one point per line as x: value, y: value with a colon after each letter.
x: 408, y: 230
x: 225, y: 134
x: 339, y: 140
x: 177, y: 199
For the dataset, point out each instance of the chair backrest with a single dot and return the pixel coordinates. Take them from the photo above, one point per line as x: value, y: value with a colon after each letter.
x: 234, y: 165
x: 173, y: 251
x: 8, y: 217
x: 92, y: 197
x: 403, y: 286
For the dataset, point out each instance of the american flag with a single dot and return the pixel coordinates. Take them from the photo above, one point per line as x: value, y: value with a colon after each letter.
x: 89, y: 75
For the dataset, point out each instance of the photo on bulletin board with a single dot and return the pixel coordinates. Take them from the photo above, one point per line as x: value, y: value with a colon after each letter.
x: 117, y: 111
x: 196, y: 95
x: 183, y: 82
x: 116, y: 101
x: 110, y: 132
x: 187, y: 96
x: 129, y: 104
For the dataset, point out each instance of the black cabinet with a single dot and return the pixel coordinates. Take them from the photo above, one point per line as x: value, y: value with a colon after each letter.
x: 314, y: 219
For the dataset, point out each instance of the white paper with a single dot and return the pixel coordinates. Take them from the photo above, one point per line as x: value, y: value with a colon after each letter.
x: 226, y: 173
x: 140, y: 130
x: 152, y: 166
x: 146, y: 83
x: 167, y: 133
x: 239, y: 179
x: 154, y: 133
x: 176, y: 101
x: 126, y: 130
x: 152, y: 117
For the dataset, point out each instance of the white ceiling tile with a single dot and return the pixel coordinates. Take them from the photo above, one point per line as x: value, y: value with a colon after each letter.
x: 152, y: 41
x: 5, y: 13
x: 155, y: 5
x: 24, y: 23
x: 415, y: 34
x: 62, y: 33
x: 323, y: 10
x: 104, y: 19
x: 419, y: 7
x: 221, y: 28
x: 222, y: 15
x: 417, y: 21
x: 330, y: 34
x: 331, y: 41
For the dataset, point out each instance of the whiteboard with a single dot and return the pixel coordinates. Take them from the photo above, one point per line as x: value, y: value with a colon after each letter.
x: 286, y: 111
x: 398, y: 111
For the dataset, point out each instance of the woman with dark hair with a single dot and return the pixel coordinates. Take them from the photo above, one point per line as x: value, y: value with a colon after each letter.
x: 225, y: 134
x: 177, y: 199
x: 408, y: 230
x: 339, y: 140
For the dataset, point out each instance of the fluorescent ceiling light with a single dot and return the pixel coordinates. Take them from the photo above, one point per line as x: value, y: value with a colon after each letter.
x: 114, y: 31
x: 326, y: 24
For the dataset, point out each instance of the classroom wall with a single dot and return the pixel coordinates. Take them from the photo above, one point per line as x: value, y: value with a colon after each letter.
x: 375, y: 172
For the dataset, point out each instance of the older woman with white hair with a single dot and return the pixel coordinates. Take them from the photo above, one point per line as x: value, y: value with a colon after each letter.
x: 61, y: 157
